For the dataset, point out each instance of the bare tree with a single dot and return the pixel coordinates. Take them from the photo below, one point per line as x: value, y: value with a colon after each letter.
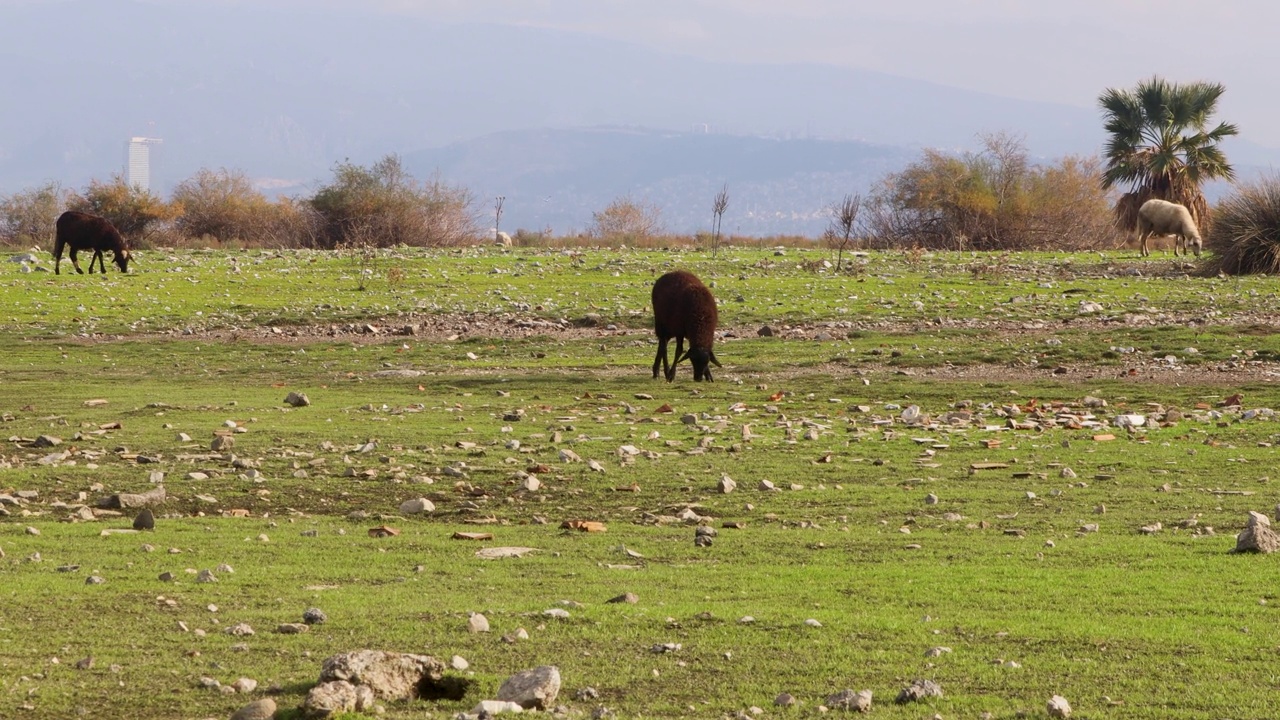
x: 844, y: 221
x: 497, y: 216
x: 717, y: 208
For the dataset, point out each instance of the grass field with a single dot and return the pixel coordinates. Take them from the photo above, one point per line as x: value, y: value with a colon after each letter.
x: 944, y: 473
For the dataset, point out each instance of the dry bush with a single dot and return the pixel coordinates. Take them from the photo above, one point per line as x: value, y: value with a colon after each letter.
x: 992, y: 200
x: 222, y: 204
x: 1246, y: 230
x: 626, y: 220
x: 385, y: 206
x: 136, y: 213
x: 27, y: 217
x: 842, y: 229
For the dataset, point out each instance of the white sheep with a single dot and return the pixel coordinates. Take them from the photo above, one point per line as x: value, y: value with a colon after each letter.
x: 1160, y: 217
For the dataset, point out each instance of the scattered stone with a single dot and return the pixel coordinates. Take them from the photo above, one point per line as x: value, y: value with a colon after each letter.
x: 726, y: 485
x: 558, y: 613
x: 937, y: 651
x: 94, y: 580
x: 850, y: 700
x: 1257, y: 535
x: 84, y: 663
x: 126, y: 501
x: 919, y: 690
x: 459, y: 663
x: 314, y: 616
x: 765, y: 331
x: 1058, y: 707
x: 784, y: 700
x: 296, y: 399
x: 244, y: 685
x: 1151, y: 529
x: 417, y: 506
x: 532, y: 689
x: 331, y: 698
x: 292, y: 628
x: 486, y: 708
x: 263, y: 709
x: 383, y: 531
x: 584, y: 525
x: 930, y: 499
x: 497, y: 553
x: 206, y: 576
x: 587, y: 693
x: 145, y: 520
x: 811, y: 622
x: 240, y: 630
x: 391, y: 675
x: 32, y: 530
x: 630, y: 598
x: 477, y: 623
x: 222, y: 443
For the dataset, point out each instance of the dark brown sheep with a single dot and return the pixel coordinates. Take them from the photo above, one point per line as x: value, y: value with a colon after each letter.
x: 683, y: 308
x: 82, y: 231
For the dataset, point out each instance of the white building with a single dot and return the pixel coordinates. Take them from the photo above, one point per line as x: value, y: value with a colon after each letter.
x: 137, y: 162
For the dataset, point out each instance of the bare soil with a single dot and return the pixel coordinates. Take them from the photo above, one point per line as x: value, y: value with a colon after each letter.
x: 456, y: 327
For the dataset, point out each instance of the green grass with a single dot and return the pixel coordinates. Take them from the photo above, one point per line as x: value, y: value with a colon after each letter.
x: 1167, y: 626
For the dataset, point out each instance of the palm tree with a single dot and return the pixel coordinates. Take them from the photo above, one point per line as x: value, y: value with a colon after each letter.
x: 1161, y: 147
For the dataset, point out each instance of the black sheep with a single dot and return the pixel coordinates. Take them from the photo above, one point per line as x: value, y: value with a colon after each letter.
x: 82, y: 231
x: 683, y: 308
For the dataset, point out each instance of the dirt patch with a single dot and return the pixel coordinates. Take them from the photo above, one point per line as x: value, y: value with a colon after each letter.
x: 462, y: 327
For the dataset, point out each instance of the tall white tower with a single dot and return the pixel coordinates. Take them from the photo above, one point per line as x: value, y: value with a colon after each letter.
x: 137, y: 162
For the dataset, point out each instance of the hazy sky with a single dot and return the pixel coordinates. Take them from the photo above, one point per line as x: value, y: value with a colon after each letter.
x: 1065, y: 52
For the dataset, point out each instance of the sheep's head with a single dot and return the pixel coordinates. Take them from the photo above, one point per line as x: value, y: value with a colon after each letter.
x: 701, y: 361
x: 122, y: 260
x: 1196, y: 245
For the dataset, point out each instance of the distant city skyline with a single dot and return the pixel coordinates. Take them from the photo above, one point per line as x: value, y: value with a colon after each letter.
x: 137, y: 163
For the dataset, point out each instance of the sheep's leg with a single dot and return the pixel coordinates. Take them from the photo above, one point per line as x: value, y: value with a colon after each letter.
x: 74, y: 262
x: 680, y: 355
x: 1142, y: 243
x: 661, y: 357
x: 97, y: 258
x: 1179, y: 241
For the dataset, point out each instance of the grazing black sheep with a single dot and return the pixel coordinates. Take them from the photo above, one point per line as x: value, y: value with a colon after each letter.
x: 683, y: 308
x: 82, y: 231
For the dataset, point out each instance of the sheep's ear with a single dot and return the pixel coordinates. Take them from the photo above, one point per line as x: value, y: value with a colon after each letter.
x: 680, y: 357
x: 714, y: 360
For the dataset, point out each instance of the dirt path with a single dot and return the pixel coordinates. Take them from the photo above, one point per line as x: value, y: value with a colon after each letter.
x: 455, y: 327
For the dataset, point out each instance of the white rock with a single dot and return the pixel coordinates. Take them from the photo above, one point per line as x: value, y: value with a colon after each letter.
x: 1058, y: 707
x: 417, y: 506
x: 493, y: 707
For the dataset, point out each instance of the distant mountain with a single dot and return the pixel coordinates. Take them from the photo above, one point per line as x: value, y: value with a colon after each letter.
x: 284, y: 94
x: 558, y: 178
